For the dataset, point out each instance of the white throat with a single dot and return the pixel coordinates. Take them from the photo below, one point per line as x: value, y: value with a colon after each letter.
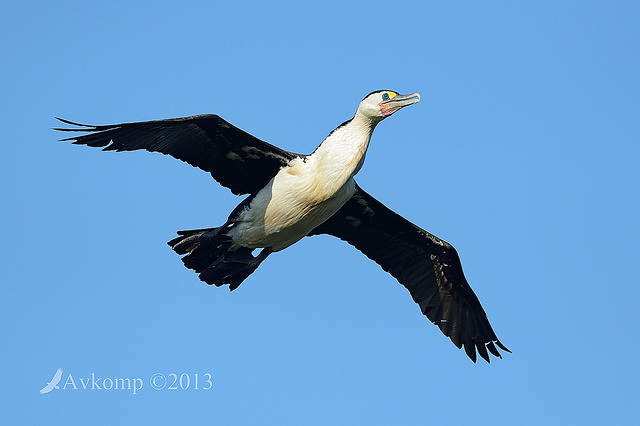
x: 342, y: 153
x: 308, y: 191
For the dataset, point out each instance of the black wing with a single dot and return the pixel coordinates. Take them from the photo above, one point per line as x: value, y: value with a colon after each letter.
x: 236, y: 159
x: 426, y: 265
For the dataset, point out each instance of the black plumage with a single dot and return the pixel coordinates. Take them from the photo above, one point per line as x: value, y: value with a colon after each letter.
x: 426, y: 265
x: 236, y: 159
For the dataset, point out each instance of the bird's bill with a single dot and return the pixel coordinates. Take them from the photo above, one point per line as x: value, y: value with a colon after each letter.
x: 397, y: 102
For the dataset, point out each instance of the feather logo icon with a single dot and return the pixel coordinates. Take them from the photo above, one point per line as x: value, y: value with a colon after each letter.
x: 53, y: 384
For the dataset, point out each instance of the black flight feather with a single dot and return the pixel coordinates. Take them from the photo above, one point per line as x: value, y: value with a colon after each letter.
x: 236, y: 159
x: 426, y: 265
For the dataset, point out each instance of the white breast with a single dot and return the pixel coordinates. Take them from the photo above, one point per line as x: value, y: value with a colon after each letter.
x: 288, y: 208
x: 305, y: 193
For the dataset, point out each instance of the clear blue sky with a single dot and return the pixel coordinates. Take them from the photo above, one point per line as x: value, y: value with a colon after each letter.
x: 523, y: 153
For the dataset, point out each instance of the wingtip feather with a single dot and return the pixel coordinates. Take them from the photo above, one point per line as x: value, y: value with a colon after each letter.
x: 501, y: 346
x: 470, y: 349
x: 72, y: 123
x: 482, y: 350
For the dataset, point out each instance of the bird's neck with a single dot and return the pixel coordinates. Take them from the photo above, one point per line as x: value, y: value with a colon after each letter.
x: 342, y: 153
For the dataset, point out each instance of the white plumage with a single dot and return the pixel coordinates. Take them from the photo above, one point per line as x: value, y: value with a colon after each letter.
x: 309, y: 190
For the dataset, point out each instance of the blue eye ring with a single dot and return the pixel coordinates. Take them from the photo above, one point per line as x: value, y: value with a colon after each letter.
x: 385, y: 96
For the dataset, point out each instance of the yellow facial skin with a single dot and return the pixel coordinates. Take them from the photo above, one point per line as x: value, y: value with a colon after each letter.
x: 392, y: 102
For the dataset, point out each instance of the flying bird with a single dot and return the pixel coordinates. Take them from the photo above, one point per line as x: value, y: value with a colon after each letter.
x: 53, y: 384
x: 291, y: 196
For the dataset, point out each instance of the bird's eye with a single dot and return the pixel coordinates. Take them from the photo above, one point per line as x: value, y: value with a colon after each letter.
x: 385, y: 96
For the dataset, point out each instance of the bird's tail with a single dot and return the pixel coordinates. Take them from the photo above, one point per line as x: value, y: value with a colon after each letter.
x: 215, y: 258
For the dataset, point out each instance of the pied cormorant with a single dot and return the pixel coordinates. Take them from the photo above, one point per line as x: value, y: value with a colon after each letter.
x: 292, y: 196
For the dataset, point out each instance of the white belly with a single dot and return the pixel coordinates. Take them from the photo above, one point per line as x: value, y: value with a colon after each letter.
x: 288, y: 208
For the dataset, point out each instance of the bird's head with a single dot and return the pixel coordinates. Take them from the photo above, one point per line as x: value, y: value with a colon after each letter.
x: 381, y: 104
